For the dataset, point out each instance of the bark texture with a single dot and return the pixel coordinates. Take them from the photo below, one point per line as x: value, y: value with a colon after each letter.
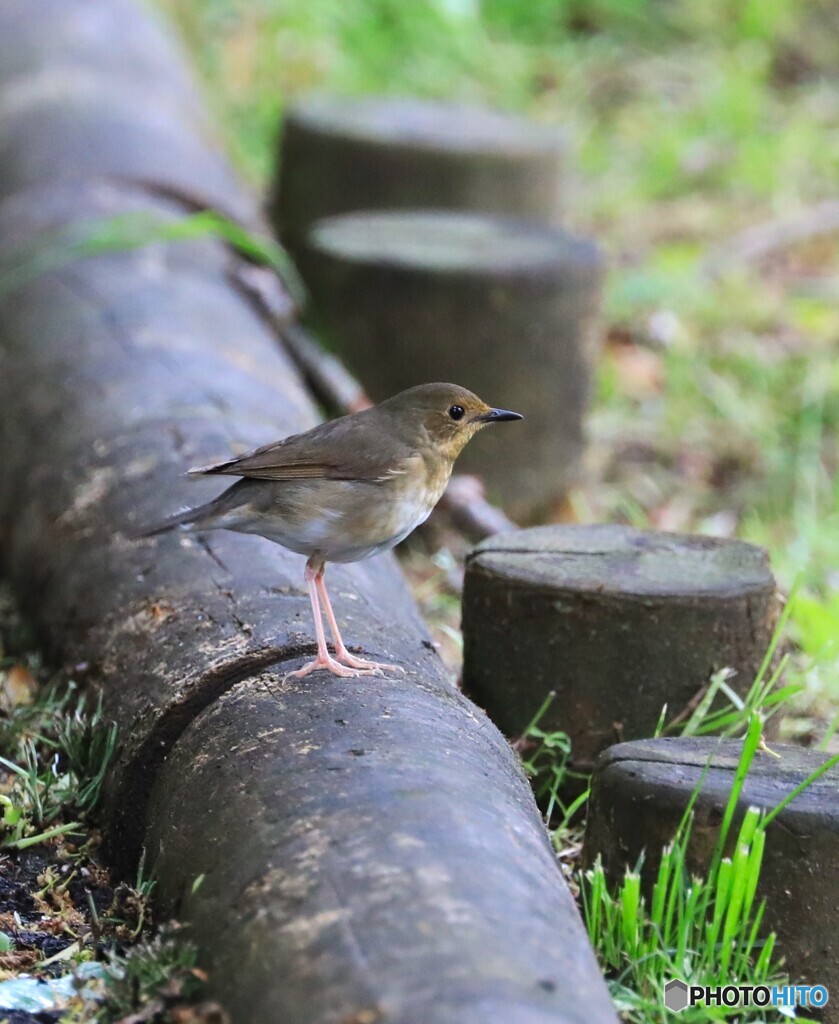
x: 334, y: 819
x: 377, y: 848
x: 640, y: 791
x: 100, y: 90
x: 617, y: 622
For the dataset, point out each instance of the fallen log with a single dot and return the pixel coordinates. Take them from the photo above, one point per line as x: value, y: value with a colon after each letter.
x: 74, y: 106
x: 368, y: 843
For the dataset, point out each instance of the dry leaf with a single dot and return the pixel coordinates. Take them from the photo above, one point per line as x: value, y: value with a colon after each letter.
x: 19, y: 686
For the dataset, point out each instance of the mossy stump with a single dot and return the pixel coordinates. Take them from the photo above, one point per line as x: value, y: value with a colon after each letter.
x: 640, y: 792
x: 504, y: 307
x: 618, y: 622
x: 339, y: 155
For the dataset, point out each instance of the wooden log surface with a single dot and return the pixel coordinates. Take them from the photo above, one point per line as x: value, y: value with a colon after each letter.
x: 402, y: 883
x: 74, y: 106
x: 616, y: 621
x: 640, y: 791
x: 116, y: 373
x: 124, y: 392
x: 339, y: 155
x: 493, y: 304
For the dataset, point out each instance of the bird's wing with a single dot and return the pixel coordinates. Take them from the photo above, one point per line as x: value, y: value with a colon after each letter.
x: 349, y: 448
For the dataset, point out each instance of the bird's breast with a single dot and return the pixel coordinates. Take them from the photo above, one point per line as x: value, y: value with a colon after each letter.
x: 345, y: 520
x: 383, y: 514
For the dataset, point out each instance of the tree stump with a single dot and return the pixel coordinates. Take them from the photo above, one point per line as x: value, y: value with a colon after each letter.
x: 617, y: 621
x: 640, y: 791
x: 493, y: 304
x: 342, y: 155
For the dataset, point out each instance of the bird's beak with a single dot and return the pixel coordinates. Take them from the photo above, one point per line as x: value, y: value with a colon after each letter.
x: 498, y: 416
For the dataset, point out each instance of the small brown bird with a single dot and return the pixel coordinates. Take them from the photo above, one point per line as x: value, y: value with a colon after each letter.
x: 346, y: 490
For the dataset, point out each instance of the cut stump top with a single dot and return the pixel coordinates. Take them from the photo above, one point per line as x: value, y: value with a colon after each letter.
x: 625, y: 562
x: 676, y: 763
x: 426, y: 123
x: 445, y: 242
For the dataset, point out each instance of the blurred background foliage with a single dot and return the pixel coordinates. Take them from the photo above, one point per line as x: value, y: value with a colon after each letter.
x: 717, y: 401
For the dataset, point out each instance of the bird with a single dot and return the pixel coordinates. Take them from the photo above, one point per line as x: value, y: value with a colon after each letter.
x: 345, y: 490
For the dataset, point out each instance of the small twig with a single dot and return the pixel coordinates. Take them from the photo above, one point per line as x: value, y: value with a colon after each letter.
x: 332, y: 383
x: 690, y: 707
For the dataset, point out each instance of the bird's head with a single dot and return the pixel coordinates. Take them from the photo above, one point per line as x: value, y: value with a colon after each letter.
x: 442, y: 416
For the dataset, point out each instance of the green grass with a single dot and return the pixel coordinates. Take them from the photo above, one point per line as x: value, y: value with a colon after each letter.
x: 701, y: 928
x: 704, y: 930
x: 157, y: 974
x: 53, y: 250
x: 57, y: 751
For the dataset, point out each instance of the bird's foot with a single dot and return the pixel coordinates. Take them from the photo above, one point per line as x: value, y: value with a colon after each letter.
x: 345, y: 658
x: 330, y: 664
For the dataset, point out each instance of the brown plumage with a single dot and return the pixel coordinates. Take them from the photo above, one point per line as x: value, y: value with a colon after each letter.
x: 347, y: 489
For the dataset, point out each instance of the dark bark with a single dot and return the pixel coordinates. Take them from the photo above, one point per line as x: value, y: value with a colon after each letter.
x: 339, y: 155
x: 98, y: 91
x: 505, y: 308
x: 116, y: 373
x: 368, y: 837
x: 640, y: 791
x: 618, y: 622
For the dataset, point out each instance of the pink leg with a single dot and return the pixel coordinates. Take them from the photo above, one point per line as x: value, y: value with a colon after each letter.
x: 341, y: 652
x: 324, y: 659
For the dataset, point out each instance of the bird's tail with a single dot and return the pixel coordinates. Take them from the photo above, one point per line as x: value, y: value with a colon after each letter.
x: 185, y: 518
x: 221, y: 512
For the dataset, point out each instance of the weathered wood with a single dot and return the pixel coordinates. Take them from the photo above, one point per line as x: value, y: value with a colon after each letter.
x: 147, y: 363
x: 74, y: 106
x: 640, y: 791
x: 339, y: 155
x: 489, y: 303
x: 617, y: 621
x: 358, y: 824
x: 116, y: 373
x: 80, y: 38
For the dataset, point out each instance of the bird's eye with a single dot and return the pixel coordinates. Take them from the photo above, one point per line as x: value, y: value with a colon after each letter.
x: 456, y: 412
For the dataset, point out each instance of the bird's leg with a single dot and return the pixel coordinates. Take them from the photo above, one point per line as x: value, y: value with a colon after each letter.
x: 324, y: 659
x: 341, y: 652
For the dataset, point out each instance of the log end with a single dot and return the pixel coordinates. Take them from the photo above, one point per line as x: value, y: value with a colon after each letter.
x: 444, y: 242
x: 625, y: 562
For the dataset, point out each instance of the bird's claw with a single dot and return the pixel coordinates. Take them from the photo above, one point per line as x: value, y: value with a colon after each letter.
x: 345, y: 665
x: 328, y: 664
x: 379, y: 667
